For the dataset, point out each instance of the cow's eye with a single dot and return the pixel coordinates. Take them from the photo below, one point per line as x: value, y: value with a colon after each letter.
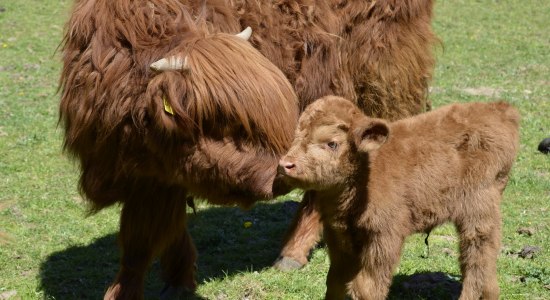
x: 332, y: 145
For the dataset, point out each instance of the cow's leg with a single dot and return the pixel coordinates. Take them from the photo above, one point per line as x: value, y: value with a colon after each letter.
x: 479, y: 247
x: 302, y: 236
x: 178, y: 265
x: 152, y: 220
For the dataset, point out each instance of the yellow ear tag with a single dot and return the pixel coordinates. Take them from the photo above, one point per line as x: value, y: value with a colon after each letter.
x: 167, y: 106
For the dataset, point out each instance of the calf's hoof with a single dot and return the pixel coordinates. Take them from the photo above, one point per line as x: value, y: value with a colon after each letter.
x: 284, y: 263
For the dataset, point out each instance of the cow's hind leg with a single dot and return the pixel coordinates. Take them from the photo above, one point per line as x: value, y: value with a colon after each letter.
x: 301, y: 237
x: 479, y: 247
x: 152, y: 220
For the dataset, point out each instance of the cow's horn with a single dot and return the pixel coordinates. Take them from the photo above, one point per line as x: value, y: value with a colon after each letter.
x: 172, y: 63
x: 245, y: 34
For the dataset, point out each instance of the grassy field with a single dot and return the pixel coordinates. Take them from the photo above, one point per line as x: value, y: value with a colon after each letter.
x: 50, y: 248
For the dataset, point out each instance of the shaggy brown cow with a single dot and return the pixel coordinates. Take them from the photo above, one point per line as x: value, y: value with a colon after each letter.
x: 451, y: 164
x: 161, y: 102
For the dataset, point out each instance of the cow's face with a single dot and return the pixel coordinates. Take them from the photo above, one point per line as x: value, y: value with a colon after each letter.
x: 219, y: 86
x: 332, y: 137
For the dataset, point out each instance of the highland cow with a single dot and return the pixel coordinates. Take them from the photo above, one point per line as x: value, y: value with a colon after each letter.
x: 161, y: 101
x: 375, y: 183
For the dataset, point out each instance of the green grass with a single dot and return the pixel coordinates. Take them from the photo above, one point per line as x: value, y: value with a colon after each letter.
x: 50, y: 249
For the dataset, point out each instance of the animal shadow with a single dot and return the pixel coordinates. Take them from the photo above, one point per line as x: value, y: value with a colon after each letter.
x: 425, y: 285
x: 229, y: 240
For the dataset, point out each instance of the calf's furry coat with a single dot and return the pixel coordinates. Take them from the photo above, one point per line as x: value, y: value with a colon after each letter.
x: 375, y: 183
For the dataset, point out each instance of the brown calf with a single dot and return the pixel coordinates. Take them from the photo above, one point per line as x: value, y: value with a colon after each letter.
x: 377, y: 183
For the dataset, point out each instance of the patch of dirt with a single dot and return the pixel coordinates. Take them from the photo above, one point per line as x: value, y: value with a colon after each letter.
x: 7, y: 68
x: 529, y: 251
x: 528, y: 231
x: 7, y: 295
x: 483, y: 91
x: 436, y: 90
x: 525, y: 252
x: 28, y: 67
x: 448, y: 252
x: 448, y: 238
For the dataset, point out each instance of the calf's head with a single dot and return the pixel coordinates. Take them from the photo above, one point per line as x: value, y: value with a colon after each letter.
x: 331, y: 144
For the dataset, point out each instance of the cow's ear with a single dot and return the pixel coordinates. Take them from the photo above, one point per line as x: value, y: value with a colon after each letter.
x: 369, y: 134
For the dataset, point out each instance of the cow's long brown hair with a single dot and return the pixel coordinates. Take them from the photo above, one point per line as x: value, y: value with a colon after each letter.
x: 376, y: 53
x: 113, y: 105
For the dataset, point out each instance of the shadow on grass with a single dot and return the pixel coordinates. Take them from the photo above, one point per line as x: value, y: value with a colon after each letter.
x: 225, y: 247
x: 426, y: 285
x: 224, y: 244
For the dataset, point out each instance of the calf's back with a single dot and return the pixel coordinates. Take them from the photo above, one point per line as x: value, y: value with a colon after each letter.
x: 439, y: 164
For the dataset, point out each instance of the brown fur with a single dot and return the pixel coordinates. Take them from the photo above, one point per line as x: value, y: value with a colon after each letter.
x: 234, y: 110
x: 377, y: 183
x: 376, y: 53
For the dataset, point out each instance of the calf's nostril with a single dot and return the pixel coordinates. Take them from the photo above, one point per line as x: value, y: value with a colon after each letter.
x: 289, y: 165
x: 286, y: 165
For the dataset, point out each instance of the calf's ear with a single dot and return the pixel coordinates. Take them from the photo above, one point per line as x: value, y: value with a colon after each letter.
x: 369, y: 134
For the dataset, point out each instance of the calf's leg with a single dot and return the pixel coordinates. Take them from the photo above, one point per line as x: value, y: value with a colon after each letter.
x: 381, y: 255
x: 301, y: 237
x: 152, y: 222
x: 479, y: 247
x: 336, y: 283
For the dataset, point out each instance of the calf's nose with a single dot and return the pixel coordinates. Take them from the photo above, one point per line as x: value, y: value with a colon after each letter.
x: 286, y: 166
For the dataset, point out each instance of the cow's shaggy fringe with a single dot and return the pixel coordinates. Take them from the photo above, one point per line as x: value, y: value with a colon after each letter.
x: 112, y: 104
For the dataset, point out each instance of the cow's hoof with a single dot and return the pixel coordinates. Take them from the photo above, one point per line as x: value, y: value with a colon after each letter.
x: 284, y: 263
x: 170, y: 292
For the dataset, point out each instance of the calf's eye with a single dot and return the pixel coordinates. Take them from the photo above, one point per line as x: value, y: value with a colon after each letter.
x: 332, y: 145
